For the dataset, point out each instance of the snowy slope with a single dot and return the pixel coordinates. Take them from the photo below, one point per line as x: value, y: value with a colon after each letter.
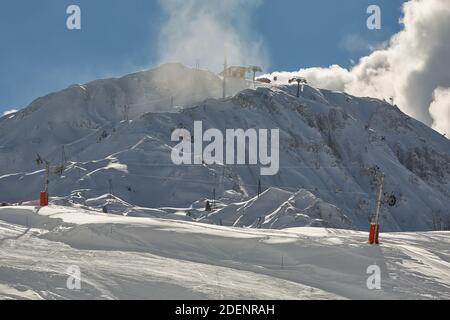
x: 146, y: 258
x: 328, y: 140
x: 79, y: 111
x: 278, y: 209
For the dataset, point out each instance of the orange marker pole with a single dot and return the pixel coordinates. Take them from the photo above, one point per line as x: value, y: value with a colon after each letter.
x: 374, y: 232
x: 43, y: 199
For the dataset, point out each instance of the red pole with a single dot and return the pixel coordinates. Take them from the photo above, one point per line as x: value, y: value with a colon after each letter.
x: 43, y: 199
x: 374, y: 232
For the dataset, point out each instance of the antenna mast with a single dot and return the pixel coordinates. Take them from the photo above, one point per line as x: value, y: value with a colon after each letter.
x: 254, y: 69
x: 225, y: 67
x: 259, y: 187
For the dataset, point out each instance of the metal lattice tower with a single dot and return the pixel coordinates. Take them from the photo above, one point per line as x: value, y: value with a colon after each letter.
x: 225, y: 67
x: 254, y: 69
x: 300, y: 82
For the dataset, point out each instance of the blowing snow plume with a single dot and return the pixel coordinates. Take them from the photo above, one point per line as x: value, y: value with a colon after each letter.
x: 414, y: 68
x: 200, y: 32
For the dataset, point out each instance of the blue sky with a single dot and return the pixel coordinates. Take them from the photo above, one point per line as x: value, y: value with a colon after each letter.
x: 39, y: 55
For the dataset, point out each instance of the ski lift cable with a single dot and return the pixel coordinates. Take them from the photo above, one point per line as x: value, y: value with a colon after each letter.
x: 162, y: 164
x: 168, y: 99
x: 309, y: 188
x: 215, y: 92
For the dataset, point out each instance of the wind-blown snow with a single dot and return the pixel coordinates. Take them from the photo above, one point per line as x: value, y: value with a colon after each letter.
x: 204, y: 32
x: 9, y: 112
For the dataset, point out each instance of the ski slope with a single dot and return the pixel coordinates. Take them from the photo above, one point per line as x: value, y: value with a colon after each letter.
x: 150, y: 258
x: 328, y: 142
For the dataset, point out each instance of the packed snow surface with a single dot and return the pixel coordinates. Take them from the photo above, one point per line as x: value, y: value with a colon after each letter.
x: 150, y: 258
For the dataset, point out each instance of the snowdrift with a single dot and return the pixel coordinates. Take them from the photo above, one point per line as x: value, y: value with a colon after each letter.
x: 151, y: 258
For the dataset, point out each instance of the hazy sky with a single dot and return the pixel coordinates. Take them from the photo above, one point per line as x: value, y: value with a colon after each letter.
x: 38, y: 54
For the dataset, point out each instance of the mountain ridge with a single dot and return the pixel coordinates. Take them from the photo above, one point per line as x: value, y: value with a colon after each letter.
x: 328, y: 141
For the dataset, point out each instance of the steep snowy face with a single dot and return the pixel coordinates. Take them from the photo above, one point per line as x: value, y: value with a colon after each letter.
x: 82, y: 110
x: 328, y: 143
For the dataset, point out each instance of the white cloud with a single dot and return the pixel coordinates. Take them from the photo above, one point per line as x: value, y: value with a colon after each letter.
x: 413, y: 65
x: 199, y: 30
x: 9, y: 112
x: 333, y: 78
x: 440, y: 110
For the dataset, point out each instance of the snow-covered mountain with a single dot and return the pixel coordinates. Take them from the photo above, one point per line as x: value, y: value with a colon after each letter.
x: 79, y: 111
x: 328, y: 143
